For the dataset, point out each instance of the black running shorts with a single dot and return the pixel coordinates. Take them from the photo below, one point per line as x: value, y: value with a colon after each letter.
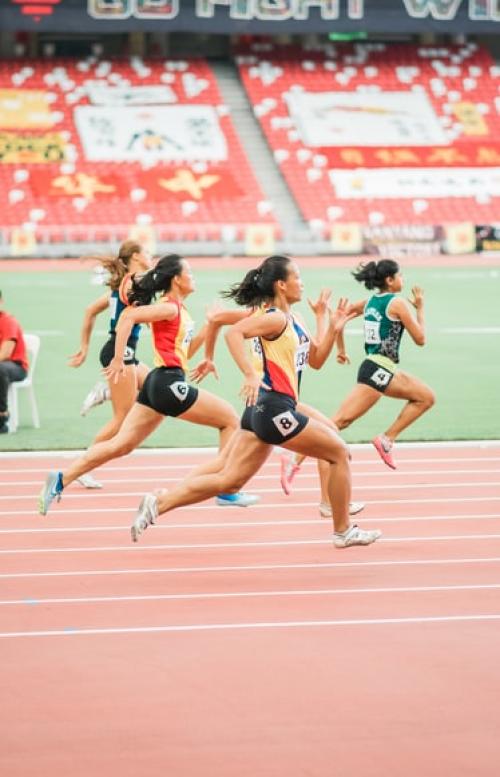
x: 108, y: 351
x: 372, y: 374
x: 274, y: 418
x: 166, y: 391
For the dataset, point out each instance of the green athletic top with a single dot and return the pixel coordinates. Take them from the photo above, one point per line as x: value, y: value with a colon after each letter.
x: 382, y: 333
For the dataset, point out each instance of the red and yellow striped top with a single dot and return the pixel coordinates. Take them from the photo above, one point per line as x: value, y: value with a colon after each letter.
x: 171, y: 338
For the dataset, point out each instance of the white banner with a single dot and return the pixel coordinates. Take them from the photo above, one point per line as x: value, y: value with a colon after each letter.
x: 131, y: 95
x: 408, y: 183
x: 181, y: 133
x: 369, y: 119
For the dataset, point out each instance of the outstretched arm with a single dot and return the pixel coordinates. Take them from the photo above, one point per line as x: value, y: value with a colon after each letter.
x: 214, y: 324
x: 400, y: 308
x: 90, y: 315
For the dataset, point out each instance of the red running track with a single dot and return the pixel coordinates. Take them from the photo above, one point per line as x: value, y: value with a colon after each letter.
x: 236, y: 642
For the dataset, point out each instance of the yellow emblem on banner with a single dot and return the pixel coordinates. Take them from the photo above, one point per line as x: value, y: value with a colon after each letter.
x: 22, y: 242
x: 459, y: 238
x: 471, y: 120
x: 186, y: 181
x: 31, y: 149
x: 145, y: 234
x: 346, y: 238
x: 259, y: 240
x: 24, y: 109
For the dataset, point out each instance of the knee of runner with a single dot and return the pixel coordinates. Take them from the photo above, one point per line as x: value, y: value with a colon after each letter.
x: 122, y: 448
x: 340, y: 452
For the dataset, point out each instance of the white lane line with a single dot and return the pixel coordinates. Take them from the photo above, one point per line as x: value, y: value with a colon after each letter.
x: 254, y: 524
x: 165, y: 467
x: 72, y: 632
x: 60, y: 511
x: 249, y: 568
x: 211, y: 451
x: 98, y: 494
x: 310, y: 475
x: 247, y: 594
x: 219, y: 545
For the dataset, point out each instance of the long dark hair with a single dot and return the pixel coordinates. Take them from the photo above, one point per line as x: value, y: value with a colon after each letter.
x: 117, y: 266
x: 374, y: 274
x: 258, y: 285
x: 159, y: 279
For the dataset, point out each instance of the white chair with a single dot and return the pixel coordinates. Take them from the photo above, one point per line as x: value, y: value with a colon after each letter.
x: 32, y: 347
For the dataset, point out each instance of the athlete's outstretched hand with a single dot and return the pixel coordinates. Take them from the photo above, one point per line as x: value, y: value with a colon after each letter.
x: 114, y: 370
x: 417, y: 297
x: 339, y: 317
x: 342, y: 358
x: 77, y: 359
x: 204, y: 368
x: 250, y: 389
x: 321, y: 305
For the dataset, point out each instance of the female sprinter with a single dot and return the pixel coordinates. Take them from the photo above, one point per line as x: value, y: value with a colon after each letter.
x: 165, y: 391
x: 222, y: 318
x: 386, y: 316
x: 132, y: 258
x: 271, y: 416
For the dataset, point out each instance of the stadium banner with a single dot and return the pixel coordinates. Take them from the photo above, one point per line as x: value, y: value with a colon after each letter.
x: 458, y: 155
x: 24, y: 109
x: 130, y: 95
x: 404, y: 183
x: 45, y: 184
x: 145, y: 234
x: 488, y: 237
x: 31, y: 149
x: 354, y: 119
x: 346, y: 238
x: 23, y: 242
x: 259, y: 240
x: 459, y: 238
x: 252, y: 16
x: 181, y: 133
x: 184, y: 183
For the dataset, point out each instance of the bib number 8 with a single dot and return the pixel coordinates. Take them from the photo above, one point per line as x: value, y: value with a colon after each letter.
x: 285, y: 423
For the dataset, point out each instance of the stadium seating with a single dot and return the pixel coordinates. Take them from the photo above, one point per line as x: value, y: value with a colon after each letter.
x: 59, y: 185
x: 287, y: 87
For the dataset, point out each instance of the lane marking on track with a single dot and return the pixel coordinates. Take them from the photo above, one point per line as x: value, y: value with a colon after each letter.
x: 98, y: 494
x: 217, y: 545
x: 72, y: 632
x: 311, y: 475
x: 248, y: 594
x: 250, y: 568
x: 251, y: 524
x: 60, y: 511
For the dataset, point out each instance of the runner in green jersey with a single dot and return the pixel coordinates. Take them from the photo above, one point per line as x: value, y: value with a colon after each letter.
x: 386, y: 316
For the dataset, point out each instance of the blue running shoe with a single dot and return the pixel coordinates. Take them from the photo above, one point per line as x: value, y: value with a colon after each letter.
x: 52, y: 489
x: 237, y: 500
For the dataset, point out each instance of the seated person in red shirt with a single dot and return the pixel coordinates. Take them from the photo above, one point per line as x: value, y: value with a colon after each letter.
x: 13, y: 360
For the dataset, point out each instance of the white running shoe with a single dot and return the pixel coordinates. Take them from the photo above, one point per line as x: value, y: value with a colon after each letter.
x: 325, y: 509
x: 355, y: 536
x: 52, y: 489
x: 96, y: 396
x: 236, y: 500
x: 89, y: 481
x: 146, y: 516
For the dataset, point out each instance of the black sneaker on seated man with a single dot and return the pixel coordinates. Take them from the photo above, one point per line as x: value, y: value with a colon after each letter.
x: 4, y: 423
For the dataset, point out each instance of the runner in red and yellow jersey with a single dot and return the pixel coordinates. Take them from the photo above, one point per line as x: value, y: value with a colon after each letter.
x: 165, y: 391
x: 271, y: 416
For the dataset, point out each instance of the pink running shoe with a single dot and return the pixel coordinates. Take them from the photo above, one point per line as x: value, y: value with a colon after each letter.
x: 383, y: 446
x: 288, y: 471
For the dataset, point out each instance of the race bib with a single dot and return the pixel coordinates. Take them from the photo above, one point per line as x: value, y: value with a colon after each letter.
x: 372, y: 332
x: 180, y: 389
x: 285, y: 423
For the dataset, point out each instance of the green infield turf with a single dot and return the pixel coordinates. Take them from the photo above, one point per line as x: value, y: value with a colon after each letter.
x: 461, y: 360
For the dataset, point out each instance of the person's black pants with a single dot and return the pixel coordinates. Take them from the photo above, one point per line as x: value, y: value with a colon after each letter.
x: 10, y: 372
